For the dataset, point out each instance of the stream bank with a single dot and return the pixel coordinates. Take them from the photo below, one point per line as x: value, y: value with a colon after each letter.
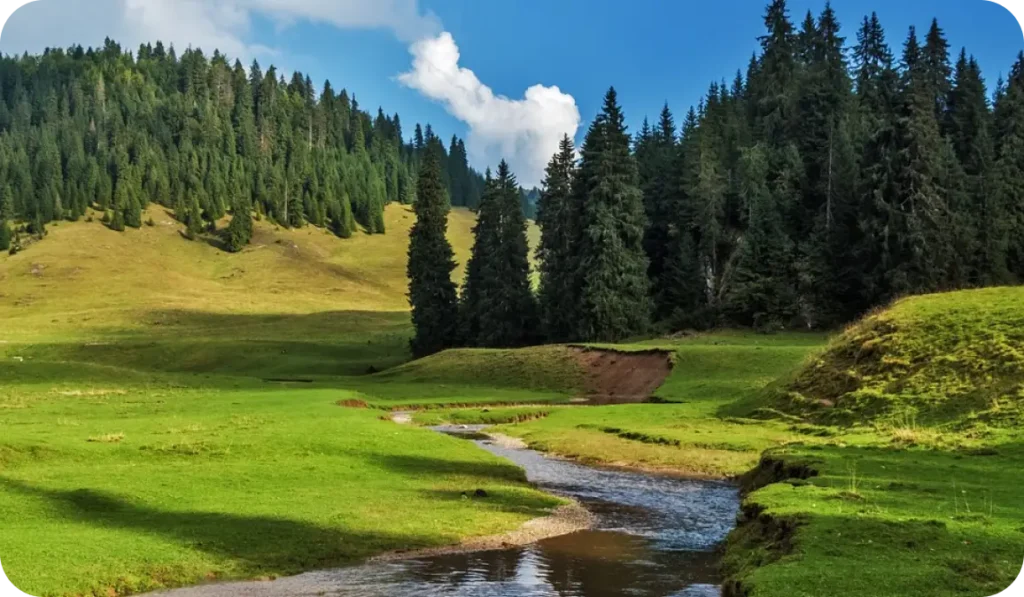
x: 647, y: 535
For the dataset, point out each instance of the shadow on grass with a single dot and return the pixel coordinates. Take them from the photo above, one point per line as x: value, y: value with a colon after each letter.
x: 259, y: 544
x: 532, y: 504
x: 482, y: 471
x: 340, y: 343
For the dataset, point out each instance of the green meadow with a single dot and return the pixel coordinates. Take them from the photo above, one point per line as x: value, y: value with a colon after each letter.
x: 172, y: 414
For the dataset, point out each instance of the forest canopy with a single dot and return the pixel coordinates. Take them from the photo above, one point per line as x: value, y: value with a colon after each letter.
x: 113, y: 130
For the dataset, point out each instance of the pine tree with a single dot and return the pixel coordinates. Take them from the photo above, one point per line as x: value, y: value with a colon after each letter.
x: 706, y: 187
x: 875, y: 133
x: 1008, y: 177
x: 558, y: 218
x: 661, y: 195
x: 240, y: 229
x: 478, y: 282
x: 615, y: 298
x: 829, y: 173
x: 771, y: 90
x: 5, y: 236
x: 762, y: 293
x: 916, y: 247
x: 498, y: 307
x: 936, y: 69
x: 117, y: 221
x: 432, y: 293
x: 682, y: 290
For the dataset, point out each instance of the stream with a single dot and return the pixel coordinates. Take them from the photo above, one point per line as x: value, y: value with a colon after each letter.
x: 654, y: 536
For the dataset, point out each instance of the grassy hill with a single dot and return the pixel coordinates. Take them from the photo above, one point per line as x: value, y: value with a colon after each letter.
x: 143, y: 446
x: 296, y: 302
x: 942, y: 358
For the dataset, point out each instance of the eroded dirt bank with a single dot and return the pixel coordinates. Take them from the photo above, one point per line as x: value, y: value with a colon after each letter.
x: 614, y: 377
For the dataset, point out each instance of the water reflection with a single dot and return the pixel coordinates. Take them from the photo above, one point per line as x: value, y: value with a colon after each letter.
x: 585, y: 564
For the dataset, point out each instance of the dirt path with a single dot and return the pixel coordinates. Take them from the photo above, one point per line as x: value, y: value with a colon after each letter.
x: 623, y: 377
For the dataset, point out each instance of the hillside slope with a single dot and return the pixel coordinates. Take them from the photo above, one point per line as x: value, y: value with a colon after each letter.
x: 295, y: 302
x: 938, y: 358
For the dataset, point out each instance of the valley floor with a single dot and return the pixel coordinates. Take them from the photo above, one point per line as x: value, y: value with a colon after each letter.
x: 205, y: 420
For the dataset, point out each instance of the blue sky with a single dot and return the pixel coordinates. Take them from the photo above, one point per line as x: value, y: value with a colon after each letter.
x: 651, y: 50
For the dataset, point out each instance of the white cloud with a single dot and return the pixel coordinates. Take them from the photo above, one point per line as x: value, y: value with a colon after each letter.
x: 208, y: 24
x: 525, y: 132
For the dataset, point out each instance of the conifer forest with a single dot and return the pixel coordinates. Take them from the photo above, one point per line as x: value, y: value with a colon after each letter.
x: 830, y: 175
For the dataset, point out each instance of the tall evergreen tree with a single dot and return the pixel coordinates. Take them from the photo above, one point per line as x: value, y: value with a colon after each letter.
x: 682, y: 293
x: 499, y: 309
x: 240, y: 228
x: 916, y: 245
x: 661, y: 196
x: 762, y: 293
x: 981, y: 221
x: 936, y: 69
x: 432, y: 293
x: 6, y: 236
x: 615, y: 298
x: 1008, y: 177
x: 558, y: 218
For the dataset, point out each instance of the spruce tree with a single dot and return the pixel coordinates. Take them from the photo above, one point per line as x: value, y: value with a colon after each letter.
x: 771, y: 90
x: 432, y: 293
x: 558, y: 219
x: 478, y: 283
x: 681, y: 293
x: 874, y: 133
x: 512, y: 317
x: 615, y: 298
x: 5, y: 236
x: 936, y: 69
x: 916, y: 247
x: 762, y: 293
x: 1008, y: 177
x: 498, y: 306
x: 240, y: 229
x: 661, y: 196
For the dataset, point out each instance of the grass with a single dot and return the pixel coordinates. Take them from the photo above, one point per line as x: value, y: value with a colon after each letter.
x: 171, y: 412
x: 687, y: 432
x: 482, y: 416
x: 294, y: 300
x: 937, y: 359
x: 546, y: 374
x: 222, y: 478
x: 916, y: 498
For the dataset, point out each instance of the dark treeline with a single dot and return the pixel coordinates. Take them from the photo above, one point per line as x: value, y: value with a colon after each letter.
x: 112, y: 131
x: 827, y: 179
x: 824, y: 181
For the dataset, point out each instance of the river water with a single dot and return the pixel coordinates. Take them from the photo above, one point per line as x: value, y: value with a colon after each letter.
x: 654, y: 537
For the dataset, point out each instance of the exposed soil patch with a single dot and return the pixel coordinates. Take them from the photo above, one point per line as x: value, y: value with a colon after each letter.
x: 353, y: 403
x: 623, y: 377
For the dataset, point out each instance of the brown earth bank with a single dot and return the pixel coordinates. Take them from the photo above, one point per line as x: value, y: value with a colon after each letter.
x: 614, y: 377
